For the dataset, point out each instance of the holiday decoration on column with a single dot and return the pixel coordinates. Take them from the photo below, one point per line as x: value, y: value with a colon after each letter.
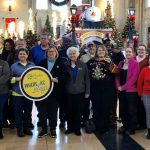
x: 31, y: 39
x: 48, y: 28
x: 109, y: 22
x: 130, y: 23
x: 31, y: 25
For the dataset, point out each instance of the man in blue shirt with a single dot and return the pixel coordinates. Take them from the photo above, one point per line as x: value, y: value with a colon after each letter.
x: 38, y: 52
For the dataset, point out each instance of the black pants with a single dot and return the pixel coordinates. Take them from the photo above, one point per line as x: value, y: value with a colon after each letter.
x: 128, y: 109
x: 48, y: 109
x: 113, y: 116
x: 22, y: 111
x: 141, y: 113
x: 74, y: 110
x: 62, y: 108
x: 8, y: 110
x: 86, y: 109
x: 102, y: 100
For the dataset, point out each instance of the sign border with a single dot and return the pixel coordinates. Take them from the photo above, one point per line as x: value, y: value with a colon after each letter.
x: 49, y: 91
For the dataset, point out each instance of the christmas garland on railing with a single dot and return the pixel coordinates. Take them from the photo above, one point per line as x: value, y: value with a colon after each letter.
x: 55, y: 2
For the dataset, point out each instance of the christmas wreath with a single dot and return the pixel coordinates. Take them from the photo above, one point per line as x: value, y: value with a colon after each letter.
x: 55, y: 2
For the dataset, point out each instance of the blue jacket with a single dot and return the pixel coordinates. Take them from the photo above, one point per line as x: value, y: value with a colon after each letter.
x: 16, y: 71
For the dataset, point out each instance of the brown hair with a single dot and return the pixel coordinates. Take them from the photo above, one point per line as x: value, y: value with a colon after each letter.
x: 104, y: 48
x: 142, y: 45
x: 54, y: 49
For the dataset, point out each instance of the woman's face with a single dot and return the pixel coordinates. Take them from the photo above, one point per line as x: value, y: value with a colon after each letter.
x: 141, y: 51
x: 101, y: 52
x: 73, y: 55
x: 7, y: 46
x: 22, y: 56
x: 129, y: 53
x: 51, y: 53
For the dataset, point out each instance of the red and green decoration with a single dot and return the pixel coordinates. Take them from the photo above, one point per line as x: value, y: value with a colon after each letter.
x: 31, y: 39
x: 58, y: 3
x: 130, y: 23
x: 109, y: 22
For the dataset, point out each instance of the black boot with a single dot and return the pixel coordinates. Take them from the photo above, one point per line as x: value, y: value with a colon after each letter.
x: 148, y: 134
x: 1, y: 133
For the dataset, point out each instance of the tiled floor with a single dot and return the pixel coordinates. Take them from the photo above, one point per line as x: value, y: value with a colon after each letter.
x: 108, y: 141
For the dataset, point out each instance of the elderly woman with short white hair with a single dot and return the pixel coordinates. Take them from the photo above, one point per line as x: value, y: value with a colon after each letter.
x: 78, y: 88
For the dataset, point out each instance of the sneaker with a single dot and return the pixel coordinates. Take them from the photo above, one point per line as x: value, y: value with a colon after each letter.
x: 78, y: 132
x: 42, y: 134
x: 53, y: 134
x: 27, y: 132
x: 68, y: 131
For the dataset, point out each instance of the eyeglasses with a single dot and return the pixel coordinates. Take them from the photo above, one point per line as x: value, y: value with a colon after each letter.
x: 141, y: 50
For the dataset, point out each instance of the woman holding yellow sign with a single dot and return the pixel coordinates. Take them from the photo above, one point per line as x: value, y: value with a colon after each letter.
x: 22, y: 106
x: 50, y: 105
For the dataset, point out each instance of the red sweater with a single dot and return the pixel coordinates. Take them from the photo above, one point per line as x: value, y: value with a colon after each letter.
x: 144, y: 81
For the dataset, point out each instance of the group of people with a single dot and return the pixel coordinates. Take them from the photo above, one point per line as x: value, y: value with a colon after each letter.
x: 95, y: 75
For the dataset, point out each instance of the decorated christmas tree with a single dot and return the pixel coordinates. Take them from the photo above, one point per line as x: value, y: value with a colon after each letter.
x: 48, y: 28
x: 130, y: 25
x: 109, y: 22
x: 31, y: 39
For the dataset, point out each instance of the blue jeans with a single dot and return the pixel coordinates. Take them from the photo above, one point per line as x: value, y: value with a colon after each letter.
x: 3, y: 100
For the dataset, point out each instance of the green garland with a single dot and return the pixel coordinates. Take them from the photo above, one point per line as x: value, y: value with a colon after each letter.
x: 64, y: 2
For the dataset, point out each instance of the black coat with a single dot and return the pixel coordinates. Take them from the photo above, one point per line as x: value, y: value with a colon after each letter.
x: 59, y: 70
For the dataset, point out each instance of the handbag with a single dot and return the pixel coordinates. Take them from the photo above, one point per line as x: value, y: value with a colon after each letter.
x: 113, y: 68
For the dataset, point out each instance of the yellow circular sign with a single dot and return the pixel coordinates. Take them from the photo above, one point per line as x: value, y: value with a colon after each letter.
x: 36, y: 83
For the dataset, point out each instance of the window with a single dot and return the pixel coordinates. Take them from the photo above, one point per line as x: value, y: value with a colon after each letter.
x: 76, y: 2
x: 42, y: 4
x: 148, y: 3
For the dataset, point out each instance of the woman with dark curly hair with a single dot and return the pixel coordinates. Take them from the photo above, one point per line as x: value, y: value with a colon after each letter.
x: 8, y: 51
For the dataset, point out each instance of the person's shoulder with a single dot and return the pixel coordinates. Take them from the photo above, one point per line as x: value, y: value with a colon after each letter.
x: 37, y: 46
x: 15, y: 64
x: 3, y: 62
x: 31, y: 63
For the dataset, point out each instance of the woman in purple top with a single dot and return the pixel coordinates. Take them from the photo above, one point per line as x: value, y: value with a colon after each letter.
x: 127, y: 88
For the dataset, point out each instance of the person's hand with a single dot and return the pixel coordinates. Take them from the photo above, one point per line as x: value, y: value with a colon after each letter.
x: 55, y: 80
x: 86, y: 95
x: 18, y: 79
x: 120, y: 88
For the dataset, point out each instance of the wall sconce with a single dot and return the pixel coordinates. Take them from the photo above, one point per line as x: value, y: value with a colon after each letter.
x: 10, y: 5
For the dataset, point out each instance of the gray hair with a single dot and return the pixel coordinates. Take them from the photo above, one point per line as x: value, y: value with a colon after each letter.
x: 70, y: 49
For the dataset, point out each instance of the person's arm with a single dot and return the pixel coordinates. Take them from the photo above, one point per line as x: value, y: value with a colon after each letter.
x: 5, y: 74
x: 87, y: 82
x: 141, y: 82
x: 133, y: 78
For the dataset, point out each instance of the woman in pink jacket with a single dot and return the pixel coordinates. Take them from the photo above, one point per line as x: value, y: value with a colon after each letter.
x: 126, y: 82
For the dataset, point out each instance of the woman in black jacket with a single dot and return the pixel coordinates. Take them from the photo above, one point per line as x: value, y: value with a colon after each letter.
x: 48, y: 108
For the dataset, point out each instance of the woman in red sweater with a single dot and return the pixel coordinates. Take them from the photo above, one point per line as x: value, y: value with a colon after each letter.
x: 144, y: 92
